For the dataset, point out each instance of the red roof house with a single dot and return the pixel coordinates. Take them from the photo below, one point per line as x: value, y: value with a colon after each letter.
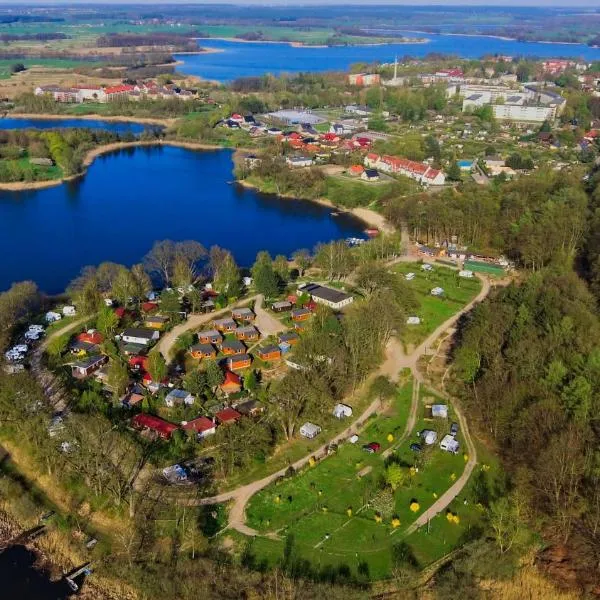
x: 232, y: 383
x: 91, y: 337
x: 155, y: 425
x: 139, y: 363
x: 149, y: 307
x: 228, y: 415
x: 203, y: 426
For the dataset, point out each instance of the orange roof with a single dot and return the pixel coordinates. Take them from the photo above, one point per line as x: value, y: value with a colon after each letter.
x: 357, y: 169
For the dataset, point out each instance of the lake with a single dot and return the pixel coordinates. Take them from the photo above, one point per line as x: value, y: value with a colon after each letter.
x: 245, y: 59
x: 112, y: 126
x: 131, y: 198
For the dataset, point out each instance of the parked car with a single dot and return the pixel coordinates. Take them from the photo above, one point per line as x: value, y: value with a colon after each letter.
x: 454, y: 429
x: 416, y: 447
x: 372, y: 447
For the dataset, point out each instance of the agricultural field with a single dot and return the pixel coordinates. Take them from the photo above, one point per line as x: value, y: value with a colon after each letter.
x: 434, y: 310
x: 328, y: 513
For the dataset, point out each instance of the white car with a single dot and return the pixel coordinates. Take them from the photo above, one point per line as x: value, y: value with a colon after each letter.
x: 426, y: 267
x: 32, y: 335
x: 22, y: 348
x: 409, y: 276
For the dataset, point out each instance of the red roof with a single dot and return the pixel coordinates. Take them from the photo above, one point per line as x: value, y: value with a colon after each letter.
x: 120, y: 312
x: 119, y: 89
x: 162, y: 427
x: 149, y: 306
x: 311, y: 305
x: 198, y: 425
x: 228, y: 415
x: 294, y: 136
x: 91, y: 337
x: 372, y: 156
x: 139, y: 362
x: 357, y: 169
x: 330, y: 137
x: 231, y: 379
x: 147, y: 378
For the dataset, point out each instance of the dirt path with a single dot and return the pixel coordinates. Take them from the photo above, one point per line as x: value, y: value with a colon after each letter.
x: 166, y: 342
x: 53, y: 389
x: 394, y: 362
x: 266, y: 323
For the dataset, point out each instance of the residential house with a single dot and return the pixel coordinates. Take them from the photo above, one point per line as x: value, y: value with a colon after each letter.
x: 203, y: 351
x: 370, y: 175
x: 131, y: 399
x: 91, y: 336
x: 210, y: 336
x: 232, y: 347
x: 269, y: 353
x: 299, y: 161
x: 243, y: 314
x: 288, y: 337
x: 227, y: 416
x: 80, y: 347
x: 239, y: 361
x: 325, y: 295
x: 395, y: 165
x: 301, y: 314
x: 202, y: 427
x: 226, y: 325
x: 281, y: 306
x: 140, y: 335
x: 356, y: 170
x: 309, y: 430
x: 364, y: 79
x: 250, y: 408
x: 84, y: 368
x: 156, y: 322
x: 117, y: 92
x: 154, y: 425
x: 153, y: 386
x: 176, y: 397
x: 232, y: 384
x: 249, y: 333
x: 149, y: 307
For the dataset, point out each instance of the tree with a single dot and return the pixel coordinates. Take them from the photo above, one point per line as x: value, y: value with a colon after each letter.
x: 226, y: 274
x: 107, y: 321
x: 395, y: 476
x: 335, y: 259
x: 281, y: 267
x: 169, y: 302
x: 175, y: 262
x: 251, y: 381
x: 266, y: 281
x: 88, y: 299
x: 157, y: 367
x: 196, y: 382
x: 118, y: 377
x: 453, y: 173
x: 302, y: 259
x: 214, y: 374
x: 507, y: 520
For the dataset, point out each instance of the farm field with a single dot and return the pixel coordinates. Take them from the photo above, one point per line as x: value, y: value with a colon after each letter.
x: 326, y: 514
x: 434, y: 310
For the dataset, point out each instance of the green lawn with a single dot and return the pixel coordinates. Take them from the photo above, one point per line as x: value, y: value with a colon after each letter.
x: 309, y: 510
x: 434, y: 310
x: 55, y: 63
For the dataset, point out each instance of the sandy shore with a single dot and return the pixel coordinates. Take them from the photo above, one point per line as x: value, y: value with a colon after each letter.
x: 92, y: 117
x: 368, y: 216
x: 297, y: 44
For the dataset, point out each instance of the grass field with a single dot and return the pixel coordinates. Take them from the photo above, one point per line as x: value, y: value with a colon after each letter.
x: 50, y: 63
x: 434, y: 310
x: 309, y: 511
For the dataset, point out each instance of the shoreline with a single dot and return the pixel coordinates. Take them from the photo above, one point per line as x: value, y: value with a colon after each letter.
x: 90, y: 157
x: 368, y: 216
x: 90, y: 117
x: 297, y: 44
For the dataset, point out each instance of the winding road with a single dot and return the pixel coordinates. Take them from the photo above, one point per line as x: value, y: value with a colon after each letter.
x: 394, y: 362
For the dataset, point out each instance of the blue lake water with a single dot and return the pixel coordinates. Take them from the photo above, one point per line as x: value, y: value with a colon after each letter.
x: 242, y: 59
x: 112, y: 126
x: 131, y: 198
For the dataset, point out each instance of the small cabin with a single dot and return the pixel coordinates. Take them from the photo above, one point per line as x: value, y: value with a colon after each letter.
x: 156, y: 322
x: 225, y: 325
x: 201, y: 351
x: 239, y: 361
x: 289, y: 337
x: 227, y: 416
x: 84, y: 368
x: 243, y: 314
x: 248, y: 333
x: 232, y: 384
x: 269, y: 353
x: 232, y: 347
x: 301, y: 314
x: 282, y: 306
x: 211, y: 336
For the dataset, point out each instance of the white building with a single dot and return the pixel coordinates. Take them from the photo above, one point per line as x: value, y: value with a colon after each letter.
x: 328, y: 296
x: 310, y: 430
x: 140, y: 335
x: 449, y: 444
x: 519, y: 112
x: 299, y: 161
x: 341, y: 411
